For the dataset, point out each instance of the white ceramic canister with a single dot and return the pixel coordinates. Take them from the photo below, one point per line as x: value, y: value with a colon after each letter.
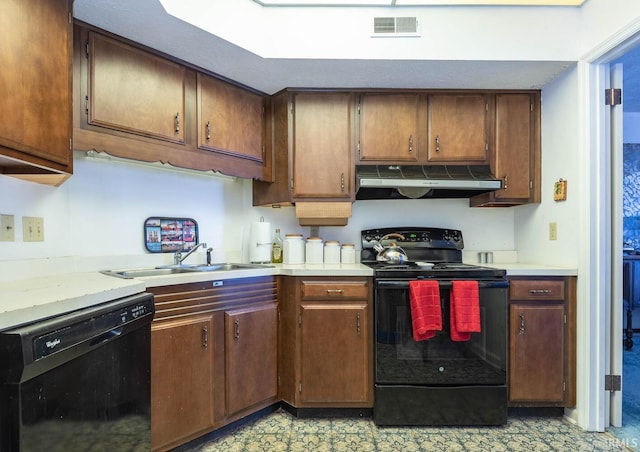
x: 313, y: 250
x: 348, y: 253
x: 293, y: 249
x: 332, y: 252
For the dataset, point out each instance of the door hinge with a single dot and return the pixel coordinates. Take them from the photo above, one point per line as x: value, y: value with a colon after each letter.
x: 86, y: 49
x: 612, y: 383
x: 565, y: 319
x: 358, y: 108
x: 70, y: 18
x: 612, y: 96
x: 299, y: 319
x: 278, y: 380
x: 300, y: 388
x: 86, y: 105
x: 71, y: 144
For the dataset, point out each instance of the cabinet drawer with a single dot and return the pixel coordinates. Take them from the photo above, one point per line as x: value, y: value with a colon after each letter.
x: 536, y: 289
x: 339, y: 290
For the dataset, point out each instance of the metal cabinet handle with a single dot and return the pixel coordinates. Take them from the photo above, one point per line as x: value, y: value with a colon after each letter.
x: 437, y: 143
x: 208, y: 129
x: 342, y: 182
x: 506, y: 183
x: 205, y: 337
x: 358, y: 322
x: 410, y: 144
x: 236, y: 335
x: 539, y: 291
x: 335, y: 291
x: 521, y: 324
x: 177, y: 123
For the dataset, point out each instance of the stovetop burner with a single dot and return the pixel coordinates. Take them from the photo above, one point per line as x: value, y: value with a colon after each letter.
x: 440, y: 247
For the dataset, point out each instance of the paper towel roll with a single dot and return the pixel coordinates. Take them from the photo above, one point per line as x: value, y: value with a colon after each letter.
x: 260, y: 243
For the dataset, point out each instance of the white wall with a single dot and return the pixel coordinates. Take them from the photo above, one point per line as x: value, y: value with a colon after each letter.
x: 95, y: 219
x: 560, y: 160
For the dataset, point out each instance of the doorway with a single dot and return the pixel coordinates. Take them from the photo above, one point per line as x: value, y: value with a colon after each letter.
x: 626, y: 185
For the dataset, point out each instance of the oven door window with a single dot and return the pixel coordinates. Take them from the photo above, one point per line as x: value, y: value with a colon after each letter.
x: 439, y: 360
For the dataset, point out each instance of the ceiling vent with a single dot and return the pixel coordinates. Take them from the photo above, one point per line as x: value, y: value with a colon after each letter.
x: 395, y: 26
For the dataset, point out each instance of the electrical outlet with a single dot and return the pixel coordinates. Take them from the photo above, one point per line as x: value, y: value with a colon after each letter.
x: 33, y: 229
x: 314, y: 231
x: 553, y: 231
x: 7, y: 228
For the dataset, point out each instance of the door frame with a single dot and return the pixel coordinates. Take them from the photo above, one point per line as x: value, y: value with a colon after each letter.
x: 601, y: 277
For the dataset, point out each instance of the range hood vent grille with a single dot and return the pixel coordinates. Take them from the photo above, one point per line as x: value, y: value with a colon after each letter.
x: 429, y: 181
x: 395, y: 26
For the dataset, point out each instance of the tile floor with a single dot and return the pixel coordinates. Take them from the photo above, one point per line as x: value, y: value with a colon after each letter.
x: 281, y: 431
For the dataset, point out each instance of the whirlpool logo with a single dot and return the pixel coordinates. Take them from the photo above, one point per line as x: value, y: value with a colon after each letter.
x: 52, y: 344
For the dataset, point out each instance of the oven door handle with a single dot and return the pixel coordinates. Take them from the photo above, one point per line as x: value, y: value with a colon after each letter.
x: 404, y: 283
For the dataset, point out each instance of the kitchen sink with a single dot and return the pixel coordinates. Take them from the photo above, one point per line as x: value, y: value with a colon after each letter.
x: 165, y: 270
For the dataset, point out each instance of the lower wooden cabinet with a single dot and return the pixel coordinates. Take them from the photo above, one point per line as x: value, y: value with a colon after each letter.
x: 251, y: 354
x: 326, y: 342
x: 542, y: 341
x: 182, y: 378
x: 213, y: 356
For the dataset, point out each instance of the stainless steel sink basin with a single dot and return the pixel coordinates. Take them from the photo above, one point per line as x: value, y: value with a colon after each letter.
x: 177, y: 269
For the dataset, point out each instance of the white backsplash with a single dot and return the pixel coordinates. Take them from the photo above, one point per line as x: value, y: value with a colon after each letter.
x: 95, y: 220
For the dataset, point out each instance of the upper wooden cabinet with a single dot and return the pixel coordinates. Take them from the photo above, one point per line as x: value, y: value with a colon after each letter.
x: 134, y: 103
x: 390, y: 127
x: 230, y: 119
x: 312, y: 145
x: 134, y: 91
x: 35, y: 118
x: 458, y: 128
x: 516, y: 158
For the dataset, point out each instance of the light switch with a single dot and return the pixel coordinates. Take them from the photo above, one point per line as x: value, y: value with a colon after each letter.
x: 33, y: 229
x: 7, y: 228
x: 553, y: 231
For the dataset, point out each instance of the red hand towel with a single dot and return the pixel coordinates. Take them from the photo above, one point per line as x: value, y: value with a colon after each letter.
x: 465, y: 310
x: 426, y: 316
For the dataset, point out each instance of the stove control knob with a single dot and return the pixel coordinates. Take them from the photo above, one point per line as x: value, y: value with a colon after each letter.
x: 440, y: 369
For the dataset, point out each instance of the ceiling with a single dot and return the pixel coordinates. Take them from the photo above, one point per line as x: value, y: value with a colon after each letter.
x: 147, y: 22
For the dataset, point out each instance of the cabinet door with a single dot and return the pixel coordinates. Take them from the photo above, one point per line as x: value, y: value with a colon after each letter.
x: 230, y: 119
x: 135, y: 92
x: 251, y: 353
x: 35, y: 118
x: 322, y: 145
x: 536, y: 353
x: 334, y: 354
x: 389, y: 127
x: 181, y: 379
x: 458, y: 125
x: 513, y: 145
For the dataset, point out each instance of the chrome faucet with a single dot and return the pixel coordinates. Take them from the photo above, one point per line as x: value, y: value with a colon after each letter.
x: 178, y: 258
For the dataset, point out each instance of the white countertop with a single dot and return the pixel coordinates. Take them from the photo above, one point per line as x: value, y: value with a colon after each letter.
x: 27, y: 300
x: 33, y: 299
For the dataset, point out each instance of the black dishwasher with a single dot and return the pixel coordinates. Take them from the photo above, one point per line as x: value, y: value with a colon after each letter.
x: 79, y: 381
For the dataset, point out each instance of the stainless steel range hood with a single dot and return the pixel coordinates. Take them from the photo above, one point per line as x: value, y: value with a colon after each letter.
x: 429, y: 181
